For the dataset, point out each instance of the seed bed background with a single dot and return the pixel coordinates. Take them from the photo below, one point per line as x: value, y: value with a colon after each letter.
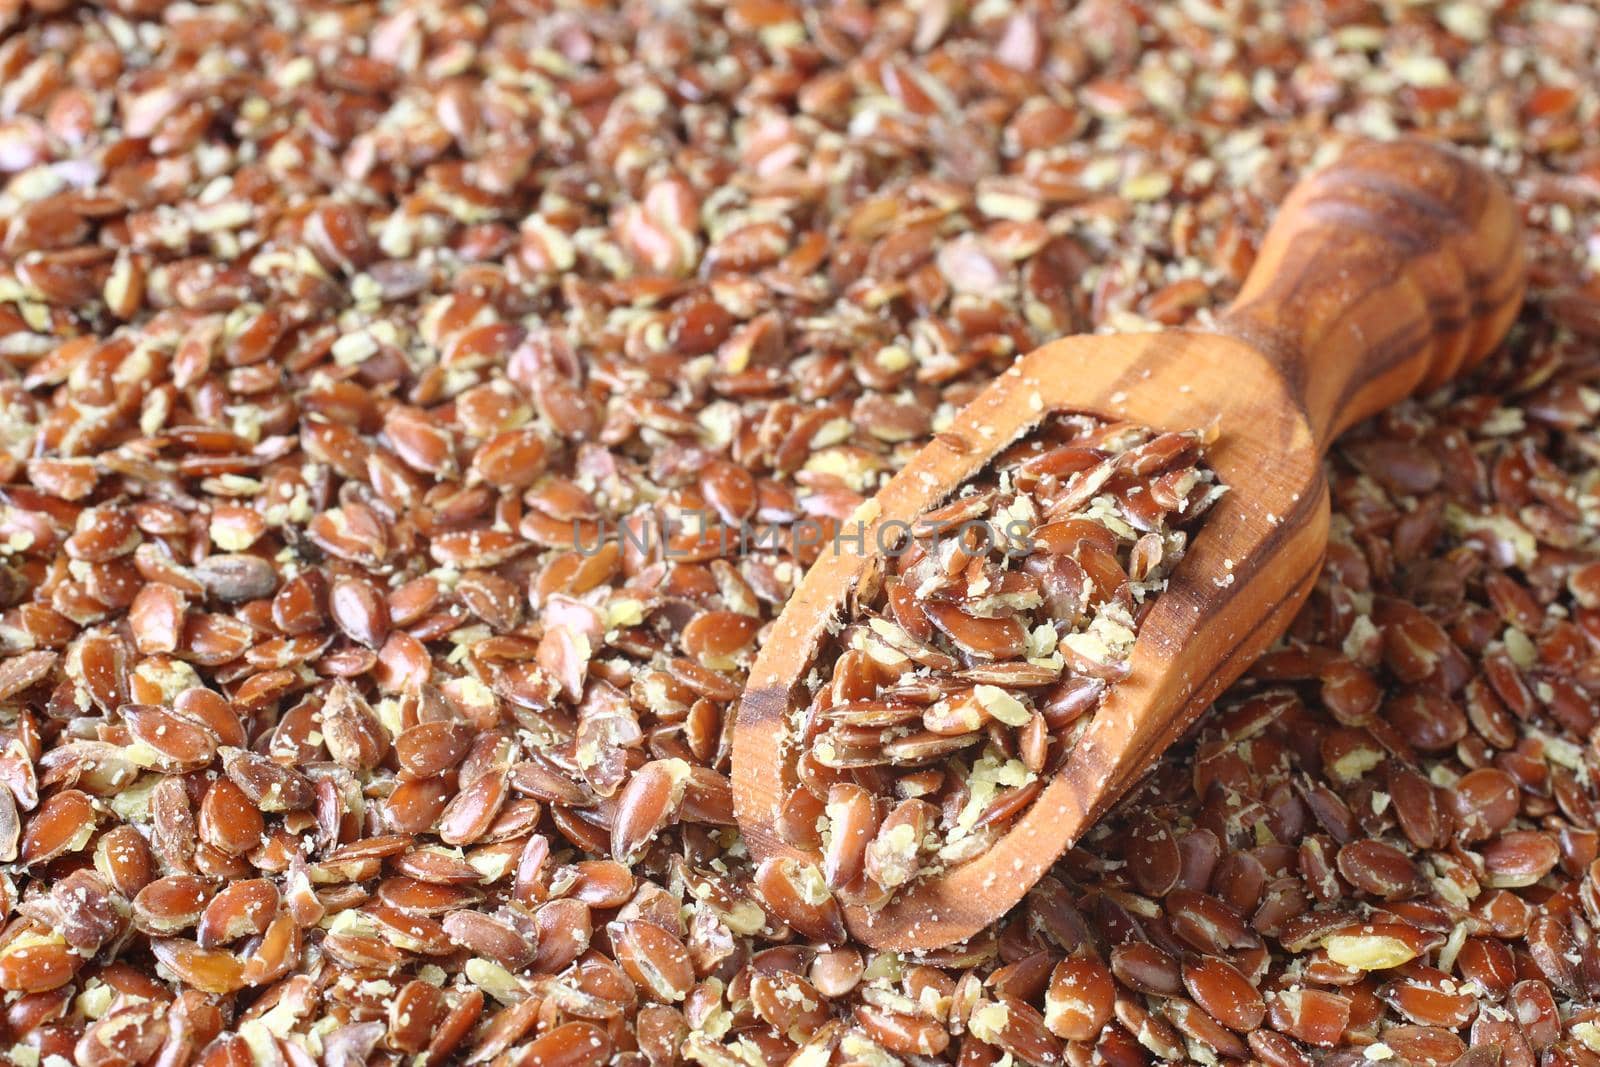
x: 326, y: 328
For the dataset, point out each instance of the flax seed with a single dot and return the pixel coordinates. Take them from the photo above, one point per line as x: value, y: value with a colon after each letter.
x: 343, y: 343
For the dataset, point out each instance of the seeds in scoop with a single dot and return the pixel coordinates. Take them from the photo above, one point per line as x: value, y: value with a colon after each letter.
x: 988, y: 639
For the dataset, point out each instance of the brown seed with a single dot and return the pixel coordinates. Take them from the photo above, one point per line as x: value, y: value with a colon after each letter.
x: 352, y: 533
x: 235, y: 578
x: 297, y: 605
x: 1416, y: 806
x: 985, y: 638
x: 600, y: 883
x: 130, y: 1034
x: 647, y: 804
x: 505, y: 1027
x: 564, y: 930
x: 654, y: 958
x: 574, y: 1044
x: 1314, y: 1016
x: 211, y: 711
x: 1079, y: 1001
x: 20, y: 672
x: 730, y: 490
x: 177, y: 741
x: 472, y: 811
x: 37, y: 967
x: 1015, y: 1027
x: 123, y: 858
x: 836, y: 972
x: 1145, y: 968
x: 102, y: 534
x: 1488, y: 963
x: 1550, y: 944
x: 241, y: 909
x: 415, y: 807
x: 895, y: 854
x: 716, y: 637
x: 1484, y: 800
x: 1536, y: 1012
x: 228, y: 820
x: 208, y: 970
x: 156, y: 618
x: 797, y: 894
x: 1198, y: 1027
x: 278, y: 950
x: 1519, y: 858
x: 1430, y: 998
x: 79, y: 907
x: 1153, y: 858
x: 268, y: 785
x: 359, y: 611
x: 63, y: 823
x: 1378, y: 868
x: 494, y: 937
x: 168, y: 905
x: 1425, y: 1043
x: 903, y: 1034
x: 351, y: 730
x: 431, y: 748
x: 414, y: 1013
x: 1428, y: 721
x: 1205, y: 922
x: 853, y: 820
x: 1224, y: 993
x: 1275, y: 1050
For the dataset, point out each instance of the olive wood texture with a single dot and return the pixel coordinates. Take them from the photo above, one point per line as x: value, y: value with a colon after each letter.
x: 1390, y: 271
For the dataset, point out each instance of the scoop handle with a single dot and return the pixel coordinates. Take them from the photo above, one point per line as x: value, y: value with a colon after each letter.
x: 1388, y: 272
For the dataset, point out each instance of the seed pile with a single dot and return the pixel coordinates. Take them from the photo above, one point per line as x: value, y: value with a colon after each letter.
x: 335, y: 336
x: 979, y: 646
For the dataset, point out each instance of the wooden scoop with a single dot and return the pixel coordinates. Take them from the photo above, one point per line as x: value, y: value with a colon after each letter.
x: 1386, y: 273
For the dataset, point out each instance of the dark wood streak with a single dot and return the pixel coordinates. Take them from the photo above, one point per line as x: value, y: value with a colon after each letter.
x: 1412, y: 334
x: 1386, y: 354
x: 1280, y: 342
x: 1330, y: 209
